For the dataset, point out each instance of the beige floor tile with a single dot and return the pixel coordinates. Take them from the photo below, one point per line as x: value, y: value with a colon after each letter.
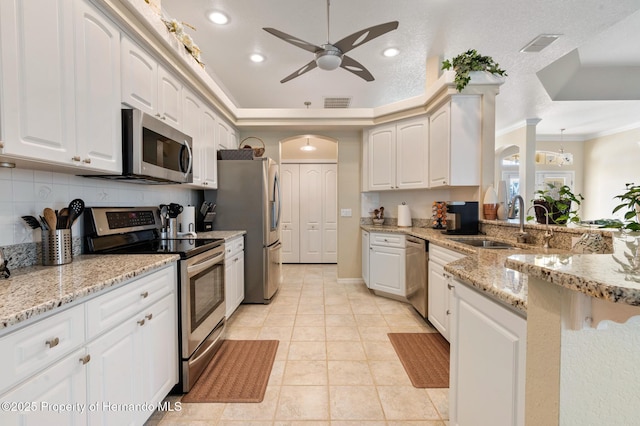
x: 284, y: 309
x: 302, y: 423
x: 309, y: 320
x: 370, y: 320
x: 264, y: 410
x: 308, y: 334
x: 365, y: 308
x: 416, y: 423
x: 374, y: 334
x: 280, y: 320
x: 355, y: 403
x: 283, y: 350
x: 406, y: 403
x: 276, y: 333
x: 403, y: 319
x: 344, y: 309
x: 339, y: 320
x: 379, y: 351
x: 310, y: 373
x: 440, y: 399
x: 311, y: 310
x: 349, y: 373
x: 342, y: 334
x: 277, y: 372
x: 307, y: 351
x: 389, y: 373
x: 303, y: 403
x: 358, y: 423
x: 345, y: 351
x: 193, y: 412
x: 336, y: 299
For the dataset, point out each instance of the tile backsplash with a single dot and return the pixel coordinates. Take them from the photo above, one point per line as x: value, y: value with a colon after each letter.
x: 28, y: 192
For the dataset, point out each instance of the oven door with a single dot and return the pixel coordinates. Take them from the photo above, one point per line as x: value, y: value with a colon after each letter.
x: 202, y: 298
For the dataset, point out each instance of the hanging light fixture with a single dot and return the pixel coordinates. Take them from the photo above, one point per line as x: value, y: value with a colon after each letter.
x: 307, y: 147
x: 564, y: 158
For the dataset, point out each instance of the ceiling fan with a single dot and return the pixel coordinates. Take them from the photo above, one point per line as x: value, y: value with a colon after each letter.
x: 330, y: 56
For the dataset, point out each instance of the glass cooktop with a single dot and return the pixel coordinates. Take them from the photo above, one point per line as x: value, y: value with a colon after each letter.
x: 184, y: 247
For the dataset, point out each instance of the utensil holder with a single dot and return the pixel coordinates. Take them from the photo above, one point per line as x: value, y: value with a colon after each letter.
x: 56, y: 247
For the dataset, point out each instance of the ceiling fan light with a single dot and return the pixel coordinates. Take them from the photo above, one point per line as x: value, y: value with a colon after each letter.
x: 391, y: 52
x: 329, y: 59
x: 218, y: 17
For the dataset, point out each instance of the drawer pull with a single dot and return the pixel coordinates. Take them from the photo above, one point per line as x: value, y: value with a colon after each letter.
x: 448, y: 312
x: 141, y: 322
x: 87, y: 160
x: 149, y: 316
x: 85, y: 359
x: 75, y: 158
x: 144, y: 295
x: 449, y: 286
x: 53, y: 342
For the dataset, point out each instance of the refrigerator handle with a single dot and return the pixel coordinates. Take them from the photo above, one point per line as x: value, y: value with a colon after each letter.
x: 276, y: 190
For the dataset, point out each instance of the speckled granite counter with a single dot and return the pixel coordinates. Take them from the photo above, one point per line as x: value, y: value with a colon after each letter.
x: 35, y: 290
x: 612, y: 277
x: 227, y: 235
x: 483, y: 269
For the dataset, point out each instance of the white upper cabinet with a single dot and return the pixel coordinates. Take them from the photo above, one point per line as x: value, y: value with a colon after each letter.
x: 209, y: 161
x: 58, y: 91
x: 454, y: 142
x: 396, y: 156
x: 139, y: 78
x: 193, y: 113
x: 170, y: 107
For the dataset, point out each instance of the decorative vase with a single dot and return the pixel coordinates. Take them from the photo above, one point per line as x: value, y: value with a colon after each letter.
x: 502, y: 211
x: 490, y: 211
x: 378, y: 222
x: 554, y: 213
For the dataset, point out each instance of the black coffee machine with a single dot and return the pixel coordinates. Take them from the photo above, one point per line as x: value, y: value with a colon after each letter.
x: 462, y: 217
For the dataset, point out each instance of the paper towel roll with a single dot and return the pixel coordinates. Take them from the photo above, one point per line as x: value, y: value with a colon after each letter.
x: 404, y: 215
x: 187, y: 219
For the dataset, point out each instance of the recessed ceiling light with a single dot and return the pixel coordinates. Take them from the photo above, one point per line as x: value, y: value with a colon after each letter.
x: 391, y: 52
x: 256, y: 57
x: 218, y: 17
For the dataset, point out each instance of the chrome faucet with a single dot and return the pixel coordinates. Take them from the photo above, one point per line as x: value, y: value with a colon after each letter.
x: 548, y: 233
x: 522, y: 235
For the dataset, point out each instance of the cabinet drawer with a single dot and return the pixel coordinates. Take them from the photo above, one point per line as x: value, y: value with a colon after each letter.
x: 30, y: 349
x: 442, y: 255
x: 387, y: 240
x: 107, y: 311
x: 233, y: 247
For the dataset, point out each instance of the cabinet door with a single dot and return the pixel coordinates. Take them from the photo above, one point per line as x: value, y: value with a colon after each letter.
x: 310, y: 213
x: 115, y: 374
x: 63, y: 383
x: 438, y: 298
x: 439, y: 146
x: 488, y: 350
x: 170, y: 99
x: 412, y: 151
x: 382, y: 158
x: 224, y: 136
x: 139, y: 78
x: 192, y: 126
x: 329, y: 202
x: 38, y: 94
x: 209, y: 160
x: 387, y: 272
x: 365, y: 258
x: 466, y: 126
x: 239, y: 265
x: 159, y: 356
x: 290, y: 218
x: 99, y: 130
x: 229, y: 286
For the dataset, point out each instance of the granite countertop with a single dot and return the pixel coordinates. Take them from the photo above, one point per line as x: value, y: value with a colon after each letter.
x: 227, y: 235
x: 612, y: 277
x: 35, y: 290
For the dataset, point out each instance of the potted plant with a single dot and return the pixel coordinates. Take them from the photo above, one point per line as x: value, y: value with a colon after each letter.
x: 378, y: 216
x: 558, y: 202
x: 630, y: 201
x: 469, y: 61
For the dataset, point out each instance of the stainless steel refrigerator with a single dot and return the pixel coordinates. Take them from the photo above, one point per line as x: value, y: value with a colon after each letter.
x: 248, y: 198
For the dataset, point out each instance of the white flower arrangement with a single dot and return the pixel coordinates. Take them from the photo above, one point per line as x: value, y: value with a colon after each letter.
x: 177, y: 29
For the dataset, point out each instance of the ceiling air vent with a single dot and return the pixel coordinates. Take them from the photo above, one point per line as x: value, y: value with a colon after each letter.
x: 540, y: 42
x: 337, y: 102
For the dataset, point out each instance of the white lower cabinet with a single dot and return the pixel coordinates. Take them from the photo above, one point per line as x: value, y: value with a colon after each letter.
x: 387, y: 263
x: 365, y: 258
x: 488, y: 355
x: 439, y: 305
x: 233, y: 274
x: 129, y: 355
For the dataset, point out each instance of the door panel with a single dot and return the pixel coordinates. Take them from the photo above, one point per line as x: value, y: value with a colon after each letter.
x: 311, y: 213
x: 290, y: 230
x: 329, y: 213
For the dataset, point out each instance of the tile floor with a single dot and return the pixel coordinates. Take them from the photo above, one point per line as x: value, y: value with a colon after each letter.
x: 334, y: 365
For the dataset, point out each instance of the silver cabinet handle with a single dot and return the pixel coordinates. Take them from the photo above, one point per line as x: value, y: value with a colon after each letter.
x: 144, y: 295
x: 75, y: 158
x: 448, y: 312
x: 141, y: 322
x: 85, y: 359
x: 449, y: 286
x: 52, y: 343
x: 149, y: 316
x: 87, y: 160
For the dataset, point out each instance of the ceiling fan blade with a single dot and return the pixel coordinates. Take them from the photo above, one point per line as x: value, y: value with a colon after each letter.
x: 308, y: 67
x: 363, y: 36
x: 356, y: 67
x: 294, y: 40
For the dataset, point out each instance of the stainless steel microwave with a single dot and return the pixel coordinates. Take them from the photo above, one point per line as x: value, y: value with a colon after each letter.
x: 152, y: 151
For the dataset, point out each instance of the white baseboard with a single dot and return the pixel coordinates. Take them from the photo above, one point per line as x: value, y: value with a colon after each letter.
x: 350, y: 281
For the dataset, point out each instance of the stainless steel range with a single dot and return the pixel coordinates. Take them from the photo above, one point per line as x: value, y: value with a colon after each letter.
x: 201, y: 304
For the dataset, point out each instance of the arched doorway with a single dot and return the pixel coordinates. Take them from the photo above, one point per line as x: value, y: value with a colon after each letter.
x: 309, y: 177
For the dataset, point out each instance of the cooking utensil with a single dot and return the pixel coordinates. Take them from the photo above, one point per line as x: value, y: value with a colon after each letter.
x: 43, y: 223
x: 31, y: 221
x: 174, y: 210
x: 51, y: 218
x: 76, y: 207
x: 63, y: 218
x: 164, y: 209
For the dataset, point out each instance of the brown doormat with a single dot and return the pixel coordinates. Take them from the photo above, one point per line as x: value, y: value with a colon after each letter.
x: 425, y: 357
x: 238, y: 372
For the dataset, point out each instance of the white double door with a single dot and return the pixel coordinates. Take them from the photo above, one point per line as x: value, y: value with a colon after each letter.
x: 309, y: 230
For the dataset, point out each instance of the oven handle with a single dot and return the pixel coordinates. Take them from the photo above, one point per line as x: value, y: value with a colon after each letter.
x: 198, y: 267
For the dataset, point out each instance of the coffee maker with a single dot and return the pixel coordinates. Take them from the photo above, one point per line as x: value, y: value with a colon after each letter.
x: 462, y: 217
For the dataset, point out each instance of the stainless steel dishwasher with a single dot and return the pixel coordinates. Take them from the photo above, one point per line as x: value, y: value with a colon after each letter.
x: 416, y: 258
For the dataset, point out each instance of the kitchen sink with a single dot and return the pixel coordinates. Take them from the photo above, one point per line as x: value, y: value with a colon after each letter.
x: 490, y: 244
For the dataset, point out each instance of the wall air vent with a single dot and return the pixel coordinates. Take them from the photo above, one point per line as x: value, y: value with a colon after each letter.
x: 539, y: 43
x: 337, y: 102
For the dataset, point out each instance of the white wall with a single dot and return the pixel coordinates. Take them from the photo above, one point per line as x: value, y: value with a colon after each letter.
x: 28, y: 192
x: 610, y: 162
